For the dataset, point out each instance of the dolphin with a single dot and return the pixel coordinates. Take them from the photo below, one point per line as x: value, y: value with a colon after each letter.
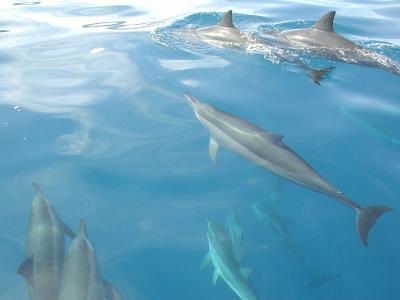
x: 274, y: 222
x: 81, y: 278
x: 45, y: 247
x: 322, y: 278
x: 268, y: 150
x: 236, y: 235
x: 226, y: 34
x: 323, y: 41
x: 225, y: 263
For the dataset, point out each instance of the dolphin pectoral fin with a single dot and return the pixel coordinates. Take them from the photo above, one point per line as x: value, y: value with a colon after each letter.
x: 213, y: 149
x: 366, y: 218
x: 110, y: 292
x: 226, y: 20
x: 215, y: 277
x: 318, y: 74
x: 245, y: 272
x: 325, y: 23
x: 68, y: 231
x: 206, y: 261
x: 25, y: 269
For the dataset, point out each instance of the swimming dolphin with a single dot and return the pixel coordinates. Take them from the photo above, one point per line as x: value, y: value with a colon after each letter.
x: 322, y: 278
x: 45, y: 247
x: 272, y: 220
x: 225, y: 264
x: 236, y: 235
x: 224, y: 33
x: 81, y: 278
x: 267, y: 150
x: 322, y: 40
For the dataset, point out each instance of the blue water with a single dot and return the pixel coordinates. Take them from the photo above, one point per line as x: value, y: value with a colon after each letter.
x: 92, y: 108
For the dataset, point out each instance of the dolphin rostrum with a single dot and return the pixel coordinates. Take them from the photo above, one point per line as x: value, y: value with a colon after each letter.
x: 225, y: 33
x: 81, y: 278
x: 225, y: 263
x: 323, y: 41
x: 45, y: 247
x: 267, y: 150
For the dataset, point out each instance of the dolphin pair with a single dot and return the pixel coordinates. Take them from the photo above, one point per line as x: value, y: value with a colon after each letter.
x: 226, y: 264
x: 81, y: 278
x: 45, y: 268
x: 45, y: 248
x: 225, y: 33
x: 320, y: 40
x: 267, y: 150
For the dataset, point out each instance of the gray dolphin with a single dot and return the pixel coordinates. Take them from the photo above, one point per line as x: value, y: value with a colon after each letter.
x: 45, y: 246
x: 322, y: 278
x: 322, y: 40
x: 225, y: 33
x: 225, y: 263
x: 236, y: 235
x: 81, y: 278
x: 274, y: 222
x: 267, y: 150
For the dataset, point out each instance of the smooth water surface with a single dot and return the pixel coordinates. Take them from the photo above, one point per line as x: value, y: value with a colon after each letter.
x: 92, y: 108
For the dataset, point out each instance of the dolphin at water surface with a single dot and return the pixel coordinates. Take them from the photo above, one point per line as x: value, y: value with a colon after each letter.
x: 221, y: 255
x: 225, y: 33
x: 267, y: 150
x: 323, y: 41
x: 45, y: 247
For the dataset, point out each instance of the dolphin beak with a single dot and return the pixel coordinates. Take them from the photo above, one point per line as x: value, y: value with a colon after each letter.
x: 191, y: 100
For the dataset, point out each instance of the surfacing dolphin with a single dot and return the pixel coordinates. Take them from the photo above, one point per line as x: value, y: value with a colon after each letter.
x: 267, y: 150
x: 323, y: 41
x: 225, y: 263
x: 45, y: 247
x: 81, y: 278
x: 226, y: 34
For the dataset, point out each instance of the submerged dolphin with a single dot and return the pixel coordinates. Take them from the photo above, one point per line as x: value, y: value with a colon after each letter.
x: 81, y: 278
x: 267, y: 150
x: 236, y: 235
x: 222, y: 256
x: 271, y: 219
x: 45, y: 247
x: 224, y: 33
x: 322, y: 278
x: 322, y: 40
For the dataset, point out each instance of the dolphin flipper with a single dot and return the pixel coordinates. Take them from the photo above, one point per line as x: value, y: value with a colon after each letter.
x: 213, y: 149
x: 325, y: 23
x: 26, y: 268
x: 111, y: 292
x: 366, y: 218
x: 215, y: 277
x: 318, y: 74
x: 68, y: 231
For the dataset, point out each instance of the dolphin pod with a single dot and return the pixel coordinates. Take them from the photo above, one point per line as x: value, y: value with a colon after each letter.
x: 322, y: 40
x: 222, y: 256
x: 225, y: 33
x: 267, y: 150
x: 50, y: 275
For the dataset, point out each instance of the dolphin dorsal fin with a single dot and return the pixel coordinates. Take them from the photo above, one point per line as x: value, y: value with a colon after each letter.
x: 226, y: 20
x: 82, y: 228
x: 325, y: 23
x: 37, y: 189
x: 274, y: 138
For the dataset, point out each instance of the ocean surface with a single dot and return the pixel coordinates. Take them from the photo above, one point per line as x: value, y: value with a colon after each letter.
x: 92, y: 108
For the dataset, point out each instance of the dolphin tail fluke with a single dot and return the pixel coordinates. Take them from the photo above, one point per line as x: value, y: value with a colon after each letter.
x: 366, y: 218
x: 318, y: 74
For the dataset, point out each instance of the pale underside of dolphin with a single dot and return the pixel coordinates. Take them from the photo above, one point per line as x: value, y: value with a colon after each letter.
x: 45, y: 245
x: 321, y: 40
x: 267, y: 150
x: 226, y: 265
x: 225, y: 33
